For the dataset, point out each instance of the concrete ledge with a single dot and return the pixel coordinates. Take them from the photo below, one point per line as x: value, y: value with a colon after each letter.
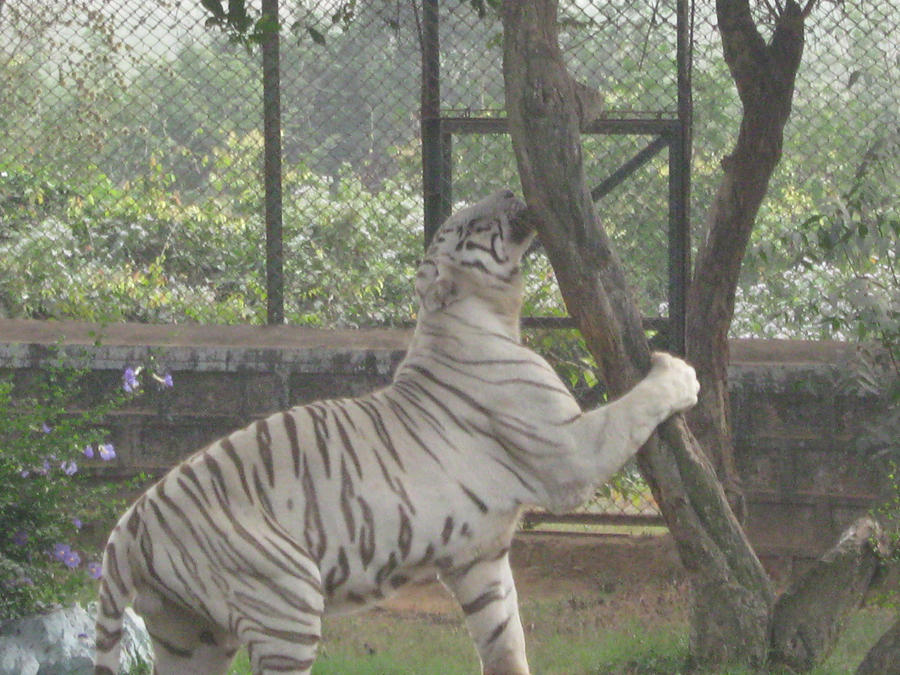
x: 27, y: 344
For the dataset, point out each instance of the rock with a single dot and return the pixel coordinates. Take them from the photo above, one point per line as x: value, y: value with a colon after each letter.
x: 61, y: 642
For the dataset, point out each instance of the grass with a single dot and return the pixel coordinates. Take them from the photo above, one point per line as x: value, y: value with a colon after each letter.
x: 562, y: 638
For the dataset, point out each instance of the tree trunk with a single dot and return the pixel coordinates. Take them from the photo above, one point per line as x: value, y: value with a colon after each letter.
x: 810, y: 615
x: 764, y: 76
x: 733, y: 595
x: 884, y: 657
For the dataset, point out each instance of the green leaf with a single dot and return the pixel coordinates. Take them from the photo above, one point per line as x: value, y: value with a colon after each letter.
x: 316, y: 36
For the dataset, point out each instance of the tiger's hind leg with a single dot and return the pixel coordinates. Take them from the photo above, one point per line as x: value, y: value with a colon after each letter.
x: 183, y: 642
x: 487, y: 594
x: 280, y: 622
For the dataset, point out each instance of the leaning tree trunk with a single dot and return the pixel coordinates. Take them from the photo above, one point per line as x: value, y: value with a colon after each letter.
x: 734, y: 607
x: 811, y: 614
x: 543, y: 109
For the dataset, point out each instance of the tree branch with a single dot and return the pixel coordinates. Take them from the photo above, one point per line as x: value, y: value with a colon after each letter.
x: 742, y: 45
x: 810, y: 5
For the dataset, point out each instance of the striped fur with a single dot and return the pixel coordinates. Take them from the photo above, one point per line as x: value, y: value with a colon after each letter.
x: 332, y: 506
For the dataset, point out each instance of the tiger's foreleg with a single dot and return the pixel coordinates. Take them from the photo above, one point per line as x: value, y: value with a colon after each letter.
x: 487, y: 594
x: 613, y: 433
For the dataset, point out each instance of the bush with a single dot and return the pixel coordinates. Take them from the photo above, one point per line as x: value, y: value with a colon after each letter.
x: 48, y: 444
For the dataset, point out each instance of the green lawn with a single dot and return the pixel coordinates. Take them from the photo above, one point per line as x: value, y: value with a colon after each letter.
x: 560, y: 642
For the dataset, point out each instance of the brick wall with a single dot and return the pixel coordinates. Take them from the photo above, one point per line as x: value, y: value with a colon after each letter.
x: 794, y: 420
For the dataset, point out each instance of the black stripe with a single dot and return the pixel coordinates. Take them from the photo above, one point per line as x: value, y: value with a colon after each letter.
x: 264, y: 447
x: 471, y: 495
x: 347, y: 494
x: 220, y: 488
x: 290, y: 430
x: 447, y: 532
x: 404, y: 539
x: 378, y: 423
x: 232, y: 454
x: 497, y: 632
x: 348, y: 446
x: 447, y: 361
x: 488, y: 597
x: 187, y: 470
x: 112, y: 569
x: 400, y: 413
x: 261, y: 492
x: 313, y: 530
x: 320, y: 429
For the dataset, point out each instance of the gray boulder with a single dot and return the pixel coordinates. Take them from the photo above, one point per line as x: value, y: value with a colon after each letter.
x: 61, y: 642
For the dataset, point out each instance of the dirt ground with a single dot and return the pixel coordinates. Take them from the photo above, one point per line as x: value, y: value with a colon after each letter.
x: 604, y: 571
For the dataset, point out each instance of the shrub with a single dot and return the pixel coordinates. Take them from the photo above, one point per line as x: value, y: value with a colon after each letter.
x: 49, y: 443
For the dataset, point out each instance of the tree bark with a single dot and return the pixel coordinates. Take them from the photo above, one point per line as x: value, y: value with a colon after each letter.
x: 733, y: 595
x: 884, y: 657
x: 810, y: 615
x: 764, y: 76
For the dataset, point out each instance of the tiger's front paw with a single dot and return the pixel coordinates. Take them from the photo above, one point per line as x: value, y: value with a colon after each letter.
x: 677, y: 379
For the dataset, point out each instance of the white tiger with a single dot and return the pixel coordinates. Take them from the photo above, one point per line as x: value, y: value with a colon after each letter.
x: 329, y: 507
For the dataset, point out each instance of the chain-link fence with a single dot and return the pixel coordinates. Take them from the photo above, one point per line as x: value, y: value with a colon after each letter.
x: 131, y: 155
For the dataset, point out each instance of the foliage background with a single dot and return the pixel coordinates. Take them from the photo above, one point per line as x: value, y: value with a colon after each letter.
x: 130, y: 160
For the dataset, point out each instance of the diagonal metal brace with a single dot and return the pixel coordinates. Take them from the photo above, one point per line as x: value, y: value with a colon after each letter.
x: 619, y: 175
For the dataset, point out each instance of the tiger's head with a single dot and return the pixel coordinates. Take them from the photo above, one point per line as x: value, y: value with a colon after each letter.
x: 476, y: 252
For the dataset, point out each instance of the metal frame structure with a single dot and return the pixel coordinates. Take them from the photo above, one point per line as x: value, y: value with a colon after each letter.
x: 673, y: 133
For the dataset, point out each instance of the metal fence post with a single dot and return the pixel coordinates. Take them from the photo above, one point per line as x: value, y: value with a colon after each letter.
x: 680, y: 184
x: 272, y: 153
x: 435, y: 143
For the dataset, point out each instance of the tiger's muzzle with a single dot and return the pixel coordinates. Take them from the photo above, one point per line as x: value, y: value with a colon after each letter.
x: 522, y: 222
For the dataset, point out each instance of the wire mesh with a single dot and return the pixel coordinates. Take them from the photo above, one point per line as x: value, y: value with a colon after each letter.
x: 843, y: 135
x: 131, y: 154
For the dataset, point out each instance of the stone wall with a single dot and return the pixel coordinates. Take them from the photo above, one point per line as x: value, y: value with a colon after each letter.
x: 794, y: 421
x: 797, y: 418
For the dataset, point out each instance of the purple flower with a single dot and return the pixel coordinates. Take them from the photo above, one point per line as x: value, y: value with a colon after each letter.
x: 72, y: 560
x: 68, y: 557
x: 20, y: 538
x: 46, y: 428
x: 60, y: 551
x: 107, y: 452
x: 89, y: 451
x: 25, y: 473
x: 95, y: 569
x: 76, y: 521
x: 69, y: 468
x: 130, y: 381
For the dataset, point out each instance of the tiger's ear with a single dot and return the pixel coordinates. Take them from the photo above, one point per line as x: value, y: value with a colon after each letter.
x: 434, y: 287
